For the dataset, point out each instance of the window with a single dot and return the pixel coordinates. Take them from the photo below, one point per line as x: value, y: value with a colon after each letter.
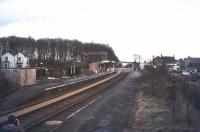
x: 78, y: 59
x: 6, y: 58
x: 19, y: 59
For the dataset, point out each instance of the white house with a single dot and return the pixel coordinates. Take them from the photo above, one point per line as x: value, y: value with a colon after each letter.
x: 8, y: 60
x: 17, y: 61
x: 21, y: 61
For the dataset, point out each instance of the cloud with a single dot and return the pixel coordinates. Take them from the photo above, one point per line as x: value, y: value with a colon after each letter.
x: 12, y: 11
x: 130, y: 26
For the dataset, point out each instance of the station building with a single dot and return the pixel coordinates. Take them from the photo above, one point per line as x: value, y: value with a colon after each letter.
x: 102, y: 66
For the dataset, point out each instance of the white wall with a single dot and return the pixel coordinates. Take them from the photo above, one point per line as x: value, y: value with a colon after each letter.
x: 13, y: 60
x: 10, y: 59
x: 24, y: 60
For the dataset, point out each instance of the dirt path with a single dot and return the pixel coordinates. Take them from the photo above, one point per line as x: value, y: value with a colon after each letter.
x: 110, y: 113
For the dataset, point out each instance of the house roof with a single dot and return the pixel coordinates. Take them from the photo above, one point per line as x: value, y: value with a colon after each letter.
x: 81, y: 54
x: 11, y: 52
x: 14, y: 54
x: 8, y: 53
x: 168, y: 59
x: 164, y: 59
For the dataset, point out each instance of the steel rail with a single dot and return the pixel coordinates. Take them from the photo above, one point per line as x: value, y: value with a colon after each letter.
x: 35, y: 107
x: 105, y: 85
x: 70, y: 87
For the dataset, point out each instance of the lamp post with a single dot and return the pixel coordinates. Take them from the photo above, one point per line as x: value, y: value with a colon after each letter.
x: 153, y: 74
x: 41, y: 69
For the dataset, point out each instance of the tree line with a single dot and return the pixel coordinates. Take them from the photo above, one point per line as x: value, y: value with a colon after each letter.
x: 52, y: 52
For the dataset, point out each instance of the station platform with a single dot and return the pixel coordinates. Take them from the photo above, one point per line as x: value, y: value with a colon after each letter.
x: 24, y: 94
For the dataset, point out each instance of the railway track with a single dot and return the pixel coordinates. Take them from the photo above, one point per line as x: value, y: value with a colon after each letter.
x: 33, y: 116
x: 54, y: 92
x: 57, y: 91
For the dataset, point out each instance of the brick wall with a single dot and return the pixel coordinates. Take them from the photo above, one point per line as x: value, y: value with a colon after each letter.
x: 24, y: 77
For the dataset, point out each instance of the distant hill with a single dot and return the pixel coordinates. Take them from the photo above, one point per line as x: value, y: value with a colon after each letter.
x: 52, y: 52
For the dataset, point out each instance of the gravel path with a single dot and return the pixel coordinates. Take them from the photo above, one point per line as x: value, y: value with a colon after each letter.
x: 112, y: 112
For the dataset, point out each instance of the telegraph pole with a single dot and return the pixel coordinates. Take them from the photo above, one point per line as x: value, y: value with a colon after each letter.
x: 137, y: 59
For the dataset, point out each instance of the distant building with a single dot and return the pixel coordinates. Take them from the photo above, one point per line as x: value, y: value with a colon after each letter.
x: 102, y: 66
x: 159, y: 60
x: 95, y: 56
x: 79, y: 63
x: 80, y: 60
x: 168, y: 59
x: 18, y: 61
x: 21, y: 61
x: 8, y: 61
x: 192, y: 62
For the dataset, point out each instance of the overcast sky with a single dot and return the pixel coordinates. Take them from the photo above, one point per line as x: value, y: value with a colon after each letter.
x: 145, y: 27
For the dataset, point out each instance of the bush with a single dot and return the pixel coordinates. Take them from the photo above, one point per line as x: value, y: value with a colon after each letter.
x: 155, y: 80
